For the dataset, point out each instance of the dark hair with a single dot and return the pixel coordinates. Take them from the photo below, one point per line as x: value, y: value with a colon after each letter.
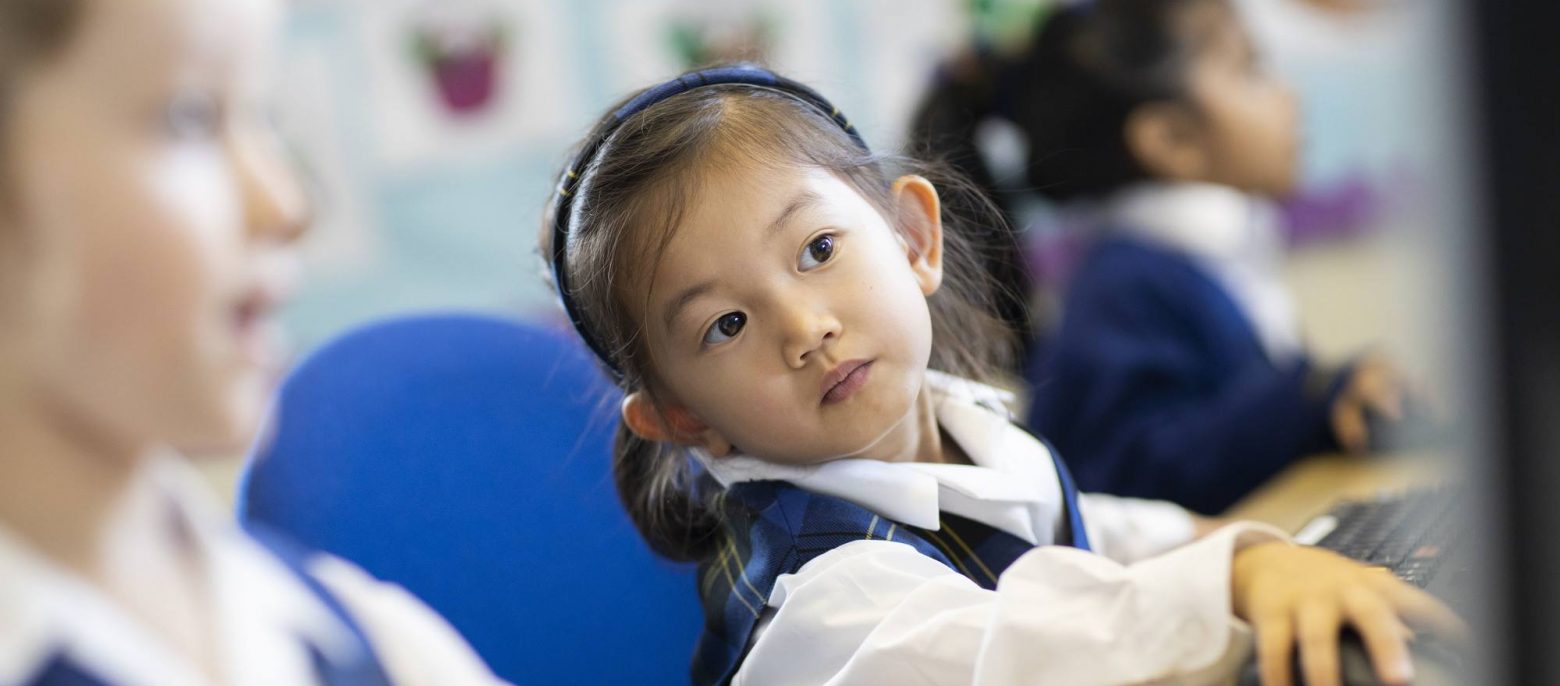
x: 943, y: 128
x: 629, y: 203
x: 1090, y: 67
x: 1071, y: 90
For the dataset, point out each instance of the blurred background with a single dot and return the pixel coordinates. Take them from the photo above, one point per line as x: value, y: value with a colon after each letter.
x: 430, y: 131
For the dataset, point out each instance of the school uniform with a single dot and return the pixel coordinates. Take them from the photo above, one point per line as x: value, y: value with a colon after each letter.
x: 1177, y: 371
x: 281, y: 615
x: 867, y: 572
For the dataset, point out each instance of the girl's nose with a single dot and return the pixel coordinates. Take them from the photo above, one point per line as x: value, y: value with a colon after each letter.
x: 276, y: 209
x: 807, y: 331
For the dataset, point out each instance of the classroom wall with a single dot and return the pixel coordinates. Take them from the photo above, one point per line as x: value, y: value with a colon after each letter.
x: 430, y: 129
x: 430, y: 202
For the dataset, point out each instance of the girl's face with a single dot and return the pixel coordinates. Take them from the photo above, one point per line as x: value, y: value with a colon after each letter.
x: 152, y: 212
x: 788, y: 319
x: 1249, y: 117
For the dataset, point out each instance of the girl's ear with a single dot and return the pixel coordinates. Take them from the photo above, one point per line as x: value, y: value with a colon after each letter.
x: 920, y: 227
x: 670, y: 424
x: 1165, y: 139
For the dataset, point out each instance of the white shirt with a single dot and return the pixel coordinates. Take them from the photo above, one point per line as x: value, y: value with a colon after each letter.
x: 879, y: 612
x: 263, y: 612
x: 1233, y: 236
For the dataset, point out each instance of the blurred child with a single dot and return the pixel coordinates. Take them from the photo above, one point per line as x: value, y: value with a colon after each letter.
x: 1177, y: 371
x: 802, y: 340
x: 146, y: 223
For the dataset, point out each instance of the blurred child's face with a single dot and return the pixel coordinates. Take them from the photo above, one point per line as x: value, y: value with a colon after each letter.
x: 154, y: 212
x: 1249, y: 117
x: 777, y: 285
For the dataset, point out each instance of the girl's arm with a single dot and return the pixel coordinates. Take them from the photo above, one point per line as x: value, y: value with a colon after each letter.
x: 1130, y: 529
x: 1142, y: 407
x: 1154, y: 388
x: 1207, y: 451
x: 875, y: 612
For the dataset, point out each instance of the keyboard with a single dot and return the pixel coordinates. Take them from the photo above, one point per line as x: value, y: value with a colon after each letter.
x: 1413, y: 533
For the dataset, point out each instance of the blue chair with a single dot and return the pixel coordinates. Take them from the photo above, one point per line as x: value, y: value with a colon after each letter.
x: 467, y: 458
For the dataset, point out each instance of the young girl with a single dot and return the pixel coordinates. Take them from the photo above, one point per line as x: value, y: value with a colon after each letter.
x: 776, y: 305
x: 146, y: 220
x: 1177, y: 371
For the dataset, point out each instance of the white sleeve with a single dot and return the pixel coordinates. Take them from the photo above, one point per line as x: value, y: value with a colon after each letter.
x: 876, y: 612
x: 1129, y: 529
x: 415, y: 644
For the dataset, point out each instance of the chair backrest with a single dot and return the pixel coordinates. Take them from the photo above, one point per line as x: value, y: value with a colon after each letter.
x: 467, y: 458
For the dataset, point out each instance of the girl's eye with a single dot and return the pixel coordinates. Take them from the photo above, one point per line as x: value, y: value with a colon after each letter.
x: 192, y: 116
x: 725, y: 328
x: 817, y: 252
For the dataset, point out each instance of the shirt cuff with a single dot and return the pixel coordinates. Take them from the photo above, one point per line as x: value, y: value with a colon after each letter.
x: 1167, y: 616
x: 1130, y: 529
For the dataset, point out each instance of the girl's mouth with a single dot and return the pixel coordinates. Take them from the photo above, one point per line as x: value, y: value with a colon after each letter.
x: 251, y: 318
x: 843, y: 382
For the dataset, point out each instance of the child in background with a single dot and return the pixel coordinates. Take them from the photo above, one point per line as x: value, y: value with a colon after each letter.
x: 146, y: 223
x: 802, y: 344
x: 1177, y: 371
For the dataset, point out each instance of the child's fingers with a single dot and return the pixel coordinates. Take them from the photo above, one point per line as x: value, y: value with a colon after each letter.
x: 1349, y: 426
x: 1378, y: 387
x: 1318, y: 628
x: 1424, y: 610
x: 1386, y: 400
x: 1275, y: 648
x: 1384, y: 635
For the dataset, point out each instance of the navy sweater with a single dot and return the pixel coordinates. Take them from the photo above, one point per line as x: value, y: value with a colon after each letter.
x: 1155, y: 385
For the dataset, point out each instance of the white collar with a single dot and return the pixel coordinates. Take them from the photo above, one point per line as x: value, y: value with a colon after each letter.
x: 1234, y: 236
x: 262, y: 610
x: 1209, y: 221
x: 1012, y: 485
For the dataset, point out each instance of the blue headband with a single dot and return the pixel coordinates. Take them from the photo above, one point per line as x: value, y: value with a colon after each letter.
x: 573, y: 174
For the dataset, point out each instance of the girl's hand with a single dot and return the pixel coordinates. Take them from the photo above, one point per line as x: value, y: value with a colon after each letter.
x: 1291, y: 594
x: 1375, y: 387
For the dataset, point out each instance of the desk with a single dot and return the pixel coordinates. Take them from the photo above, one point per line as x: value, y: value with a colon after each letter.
x: 1311, y: 486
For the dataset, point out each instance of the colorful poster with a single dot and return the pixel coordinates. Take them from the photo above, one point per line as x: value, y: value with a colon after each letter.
x: 452, y: 80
